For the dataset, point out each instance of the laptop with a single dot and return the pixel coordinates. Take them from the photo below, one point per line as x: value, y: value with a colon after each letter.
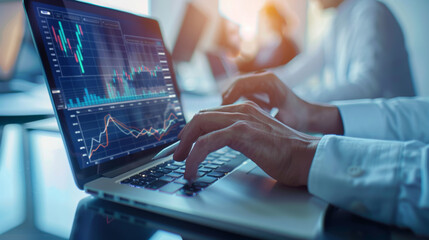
x: 112, y: 86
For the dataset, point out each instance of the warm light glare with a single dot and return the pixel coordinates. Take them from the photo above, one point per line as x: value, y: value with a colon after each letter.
x: 244, y: 13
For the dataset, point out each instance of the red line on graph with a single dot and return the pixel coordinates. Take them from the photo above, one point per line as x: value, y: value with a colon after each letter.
x: 80, y: 28
x: 68, y: 41
x: 108, y: 221
x: 141, y: 132
x: 55, y: 35
x: 75, y: 57
x: 61, y: 45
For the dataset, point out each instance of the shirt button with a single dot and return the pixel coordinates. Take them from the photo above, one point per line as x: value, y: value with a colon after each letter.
x: 355, y: 171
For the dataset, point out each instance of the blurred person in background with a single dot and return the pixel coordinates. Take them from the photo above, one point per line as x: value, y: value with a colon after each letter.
x: 274, y: 44
x: 363, y: 55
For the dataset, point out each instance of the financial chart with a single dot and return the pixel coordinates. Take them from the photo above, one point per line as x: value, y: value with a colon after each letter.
x: 114, y: 87
x: 109, y: 132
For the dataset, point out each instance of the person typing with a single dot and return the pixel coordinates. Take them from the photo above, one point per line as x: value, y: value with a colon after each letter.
x: 373, y: 160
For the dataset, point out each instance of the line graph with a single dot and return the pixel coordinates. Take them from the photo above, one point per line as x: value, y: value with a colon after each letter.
x: 120, y: 131
x: 158, y: 134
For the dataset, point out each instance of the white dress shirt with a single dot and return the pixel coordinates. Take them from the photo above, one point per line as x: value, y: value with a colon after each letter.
x: 362, y: 56
x: 380, y: 168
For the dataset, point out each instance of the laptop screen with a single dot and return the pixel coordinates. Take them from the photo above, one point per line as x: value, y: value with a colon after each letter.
x: 110, y: 80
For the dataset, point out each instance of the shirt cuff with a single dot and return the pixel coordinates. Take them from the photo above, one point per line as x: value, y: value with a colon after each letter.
x: 362, y: 119
x: 351, y: 173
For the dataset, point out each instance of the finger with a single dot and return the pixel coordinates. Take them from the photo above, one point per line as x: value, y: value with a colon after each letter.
x: 207, y: 144
x: 246, y: 86
x: 251, y: 110
x: 201, y: 124
x: 260, y: 102
x: 237, y: 108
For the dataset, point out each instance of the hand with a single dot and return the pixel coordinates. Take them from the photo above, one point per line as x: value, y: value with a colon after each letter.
x: 282, y: 152
x: 279, y: 95
x: 293, y: 111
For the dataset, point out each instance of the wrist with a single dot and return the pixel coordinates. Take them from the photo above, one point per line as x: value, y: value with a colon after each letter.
x: 308, y: 157
x: 324, y: 119
x: 303, y: 154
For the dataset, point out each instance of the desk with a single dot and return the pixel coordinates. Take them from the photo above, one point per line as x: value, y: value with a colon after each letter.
x: 39, y: 201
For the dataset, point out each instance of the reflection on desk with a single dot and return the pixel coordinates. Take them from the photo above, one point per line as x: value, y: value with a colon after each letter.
x: 12, y: 186
x: 54, y: 190
x: 99, y: 219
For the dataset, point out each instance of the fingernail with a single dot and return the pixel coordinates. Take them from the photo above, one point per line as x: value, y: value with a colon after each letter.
x: 224, y: 100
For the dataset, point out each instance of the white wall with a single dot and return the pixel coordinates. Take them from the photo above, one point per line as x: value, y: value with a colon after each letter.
x: 169, y: 13
x: 140, y: 7
x: 414, y: 18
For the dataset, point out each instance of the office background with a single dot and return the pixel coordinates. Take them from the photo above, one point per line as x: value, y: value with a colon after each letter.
x: 29, y: 148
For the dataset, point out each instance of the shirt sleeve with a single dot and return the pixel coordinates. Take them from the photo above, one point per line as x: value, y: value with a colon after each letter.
x: 375, y: 62
x: 386, y: 181
x: 395, y: 119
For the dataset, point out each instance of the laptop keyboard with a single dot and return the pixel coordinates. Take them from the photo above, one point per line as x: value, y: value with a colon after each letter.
x: 168, y: 176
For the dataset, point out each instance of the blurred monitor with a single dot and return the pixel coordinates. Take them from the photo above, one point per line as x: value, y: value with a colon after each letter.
x: 216, y: 65
x: 191, y: 30
x: 12, y: 30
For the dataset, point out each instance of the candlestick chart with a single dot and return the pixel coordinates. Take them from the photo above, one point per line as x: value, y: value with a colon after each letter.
x: 99, y: 66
